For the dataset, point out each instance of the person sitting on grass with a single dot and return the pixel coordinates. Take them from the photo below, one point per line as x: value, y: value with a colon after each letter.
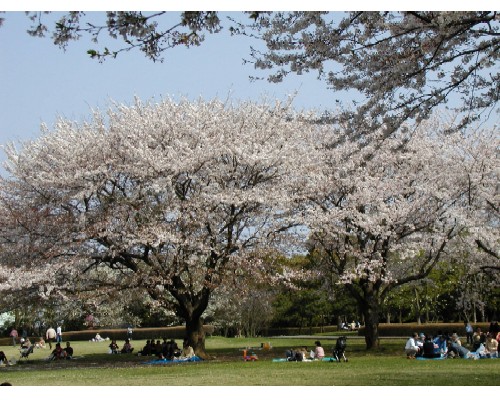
x: 98, y: 338
x: 176, y: 352
x: 319, y: 352
x: 158, y: 349
x: 69, y: 351
x: 457, y: 350
x: 40, y: 344
x: 3, y: 358
x: 477, y: 339
x: 440, y: 342
x: 127, y: 347
x: 147, y: 350
x: 26, y: 344
x: 491, y: 346
x: 411, y: 347
x: 430, y: 349
x: 113, y: 347
x: 187, y: 350
x: 58, y: 353
x: 420, y: 342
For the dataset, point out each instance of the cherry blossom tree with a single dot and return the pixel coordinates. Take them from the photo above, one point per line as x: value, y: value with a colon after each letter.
x: 398, y: 66
x: 167, y: 197
x: 388, y: 208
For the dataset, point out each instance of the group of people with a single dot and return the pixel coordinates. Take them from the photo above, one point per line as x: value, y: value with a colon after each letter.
x: 444, y: 346
x: 115, y: 349
x: 352, y: 326
x: 167, y: 350
x: 60, y: 353
x: 303, y: 354
x: 98, y: 338
x: 51, y: 335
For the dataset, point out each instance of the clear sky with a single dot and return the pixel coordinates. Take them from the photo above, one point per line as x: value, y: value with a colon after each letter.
x: 40, y: 82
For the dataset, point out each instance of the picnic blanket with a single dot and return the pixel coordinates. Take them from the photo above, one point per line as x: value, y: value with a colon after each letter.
x: 437, y: 358
x: 286, y: 360
x: 181, y: 360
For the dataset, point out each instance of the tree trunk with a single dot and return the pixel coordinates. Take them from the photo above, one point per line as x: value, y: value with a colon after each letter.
x: 370, y: 309
x: 417, y: 305
x: 195, y: 335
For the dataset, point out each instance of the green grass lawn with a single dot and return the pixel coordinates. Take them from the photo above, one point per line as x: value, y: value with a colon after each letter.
x: 386, y: 366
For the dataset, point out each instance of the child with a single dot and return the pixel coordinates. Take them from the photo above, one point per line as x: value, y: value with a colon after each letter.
x: 113, y: 347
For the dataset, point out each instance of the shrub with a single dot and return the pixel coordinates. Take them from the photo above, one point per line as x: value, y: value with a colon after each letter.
x: 171, y: 332
x: 407, y: 329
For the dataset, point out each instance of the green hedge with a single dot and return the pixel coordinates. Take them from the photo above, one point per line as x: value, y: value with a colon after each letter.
x: 172, y: 332
x: 293, y: 331
x: 407, y: 329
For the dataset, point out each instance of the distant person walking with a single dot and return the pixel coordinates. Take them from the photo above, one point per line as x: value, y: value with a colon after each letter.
x: 14, y: 335
x: 50, y: 335
x: 59, y: 334
x: 469, y: 331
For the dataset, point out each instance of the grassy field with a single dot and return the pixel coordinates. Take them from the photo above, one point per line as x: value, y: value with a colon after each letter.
x: 386, y: 366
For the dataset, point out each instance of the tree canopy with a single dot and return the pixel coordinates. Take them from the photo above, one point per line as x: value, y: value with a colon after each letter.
x: 167, y: 197
x: 175, y: 198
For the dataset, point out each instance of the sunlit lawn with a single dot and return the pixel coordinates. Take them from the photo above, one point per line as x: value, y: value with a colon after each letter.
x: 384, y: 367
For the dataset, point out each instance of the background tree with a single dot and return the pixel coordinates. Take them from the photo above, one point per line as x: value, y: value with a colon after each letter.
x: 166, y: 197
x: 387, y: 208
x: 400, y: 65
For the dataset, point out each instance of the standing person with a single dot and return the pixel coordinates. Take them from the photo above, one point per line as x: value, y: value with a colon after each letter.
x: 41, y: 328
x: 14, y: 335
x: 50, y: 335
x: 469, y: 330
x: 129, y: 333
x: 59, y: 334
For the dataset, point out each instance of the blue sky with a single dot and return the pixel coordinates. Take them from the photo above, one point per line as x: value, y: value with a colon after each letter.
x: 40, y: 82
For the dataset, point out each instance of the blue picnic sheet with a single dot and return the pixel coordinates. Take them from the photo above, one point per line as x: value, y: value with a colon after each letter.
x: 165, y: 361
x: 286, y: 360
x: 437, y: 358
